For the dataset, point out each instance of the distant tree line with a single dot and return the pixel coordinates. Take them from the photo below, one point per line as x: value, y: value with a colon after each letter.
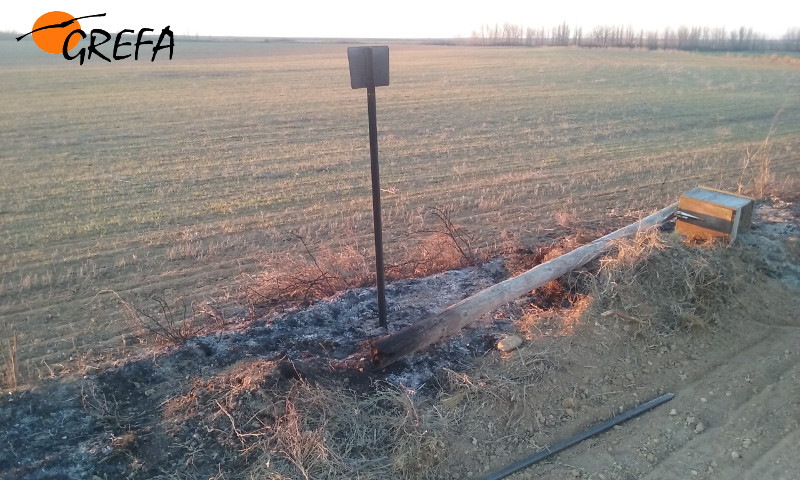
x: 681, y: 38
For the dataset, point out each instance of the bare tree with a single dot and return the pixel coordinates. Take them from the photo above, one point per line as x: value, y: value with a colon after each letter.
x: 791, y: 40
x: 630, y: 37
x: 670, y: 40
x: 512, y: 34
x: 651, y: 40
x: 600, y: 36
x: 718, y: 41
x: 620, y: 36
x: 561, y: 35
x: 683, y: 37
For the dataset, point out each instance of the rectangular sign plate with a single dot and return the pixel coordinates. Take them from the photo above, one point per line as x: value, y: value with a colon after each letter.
x: 359, y: 76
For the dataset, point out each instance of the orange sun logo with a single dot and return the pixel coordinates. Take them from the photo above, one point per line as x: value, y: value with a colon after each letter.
x: 51, y: 30
x: 59, y: 32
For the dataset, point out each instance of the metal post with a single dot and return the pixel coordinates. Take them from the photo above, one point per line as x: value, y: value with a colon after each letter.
x: 376, y: 188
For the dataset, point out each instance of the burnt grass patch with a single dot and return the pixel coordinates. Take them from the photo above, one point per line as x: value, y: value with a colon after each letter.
x: 208, y: 406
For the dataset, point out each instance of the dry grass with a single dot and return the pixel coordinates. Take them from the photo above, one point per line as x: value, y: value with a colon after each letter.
x: 554, y: 311
x: 761, y: 158
x: 299, y: 278
x: 171, y: 322
x: 660, y: 284
x: 10, y: 373
x: 377, y: 435
x: 434, y: 245
x: 295, y: 429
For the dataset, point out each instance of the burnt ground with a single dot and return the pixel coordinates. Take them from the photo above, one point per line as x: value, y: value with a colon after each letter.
x: 217, y: 406
x: 70, y: 428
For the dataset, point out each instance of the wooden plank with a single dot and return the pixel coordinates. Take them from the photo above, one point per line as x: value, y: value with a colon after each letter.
x: 703, y: 207
x: 711, y: 222
x: 451, y: 320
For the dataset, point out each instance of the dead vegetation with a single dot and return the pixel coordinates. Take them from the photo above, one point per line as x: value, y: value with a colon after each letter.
x: 761, y: 176
x: 171, y: 322
x: 377, y: 435
x: 293, y: 428
x: 435, y: 245
x: 661, y: 284
x: 8, y: 353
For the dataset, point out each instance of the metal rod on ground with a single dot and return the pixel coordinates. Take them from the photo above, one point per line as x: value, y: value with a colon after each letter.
x: 455, y: 317
x: 376, y: 188
x: 575, y: 439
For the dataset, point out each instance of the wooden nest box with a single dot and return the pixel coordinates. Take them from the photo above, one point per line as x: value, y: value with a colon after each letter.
x: 708, y: 214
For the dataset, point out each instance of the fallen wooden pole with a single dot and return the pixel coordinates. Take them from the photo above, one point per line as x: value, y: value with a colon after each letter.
x: 455, y: 317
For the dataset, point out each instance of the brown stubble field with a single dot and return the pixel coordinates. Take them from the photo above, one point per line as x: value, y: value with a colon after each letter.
x: 176, y: 178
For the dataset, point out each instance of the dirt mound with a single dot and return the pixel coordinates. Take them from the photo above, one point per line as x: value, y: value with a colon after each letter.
x: 290, y: 397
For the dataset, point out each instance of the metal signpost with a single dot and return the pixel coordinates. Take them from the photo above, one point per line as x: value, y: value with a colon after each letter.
x: 369, y: 68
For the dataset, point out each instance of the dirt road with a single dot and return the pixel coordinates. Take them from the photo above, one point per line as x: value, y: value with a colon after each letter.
x: 736, y: 411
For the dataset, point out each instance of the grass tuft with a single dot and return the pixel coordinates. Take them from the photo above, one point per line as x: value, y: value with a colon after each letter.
x: 661, y: 284
x: 10, y: 372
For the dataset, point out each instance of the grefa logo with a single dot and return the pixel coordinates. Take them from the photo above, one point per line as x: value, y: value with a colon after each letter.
x: 59, y: 32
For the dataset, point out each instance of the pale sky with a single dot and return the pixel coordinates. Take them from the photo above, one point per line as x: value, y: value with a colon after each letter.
x: 404, y: 18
